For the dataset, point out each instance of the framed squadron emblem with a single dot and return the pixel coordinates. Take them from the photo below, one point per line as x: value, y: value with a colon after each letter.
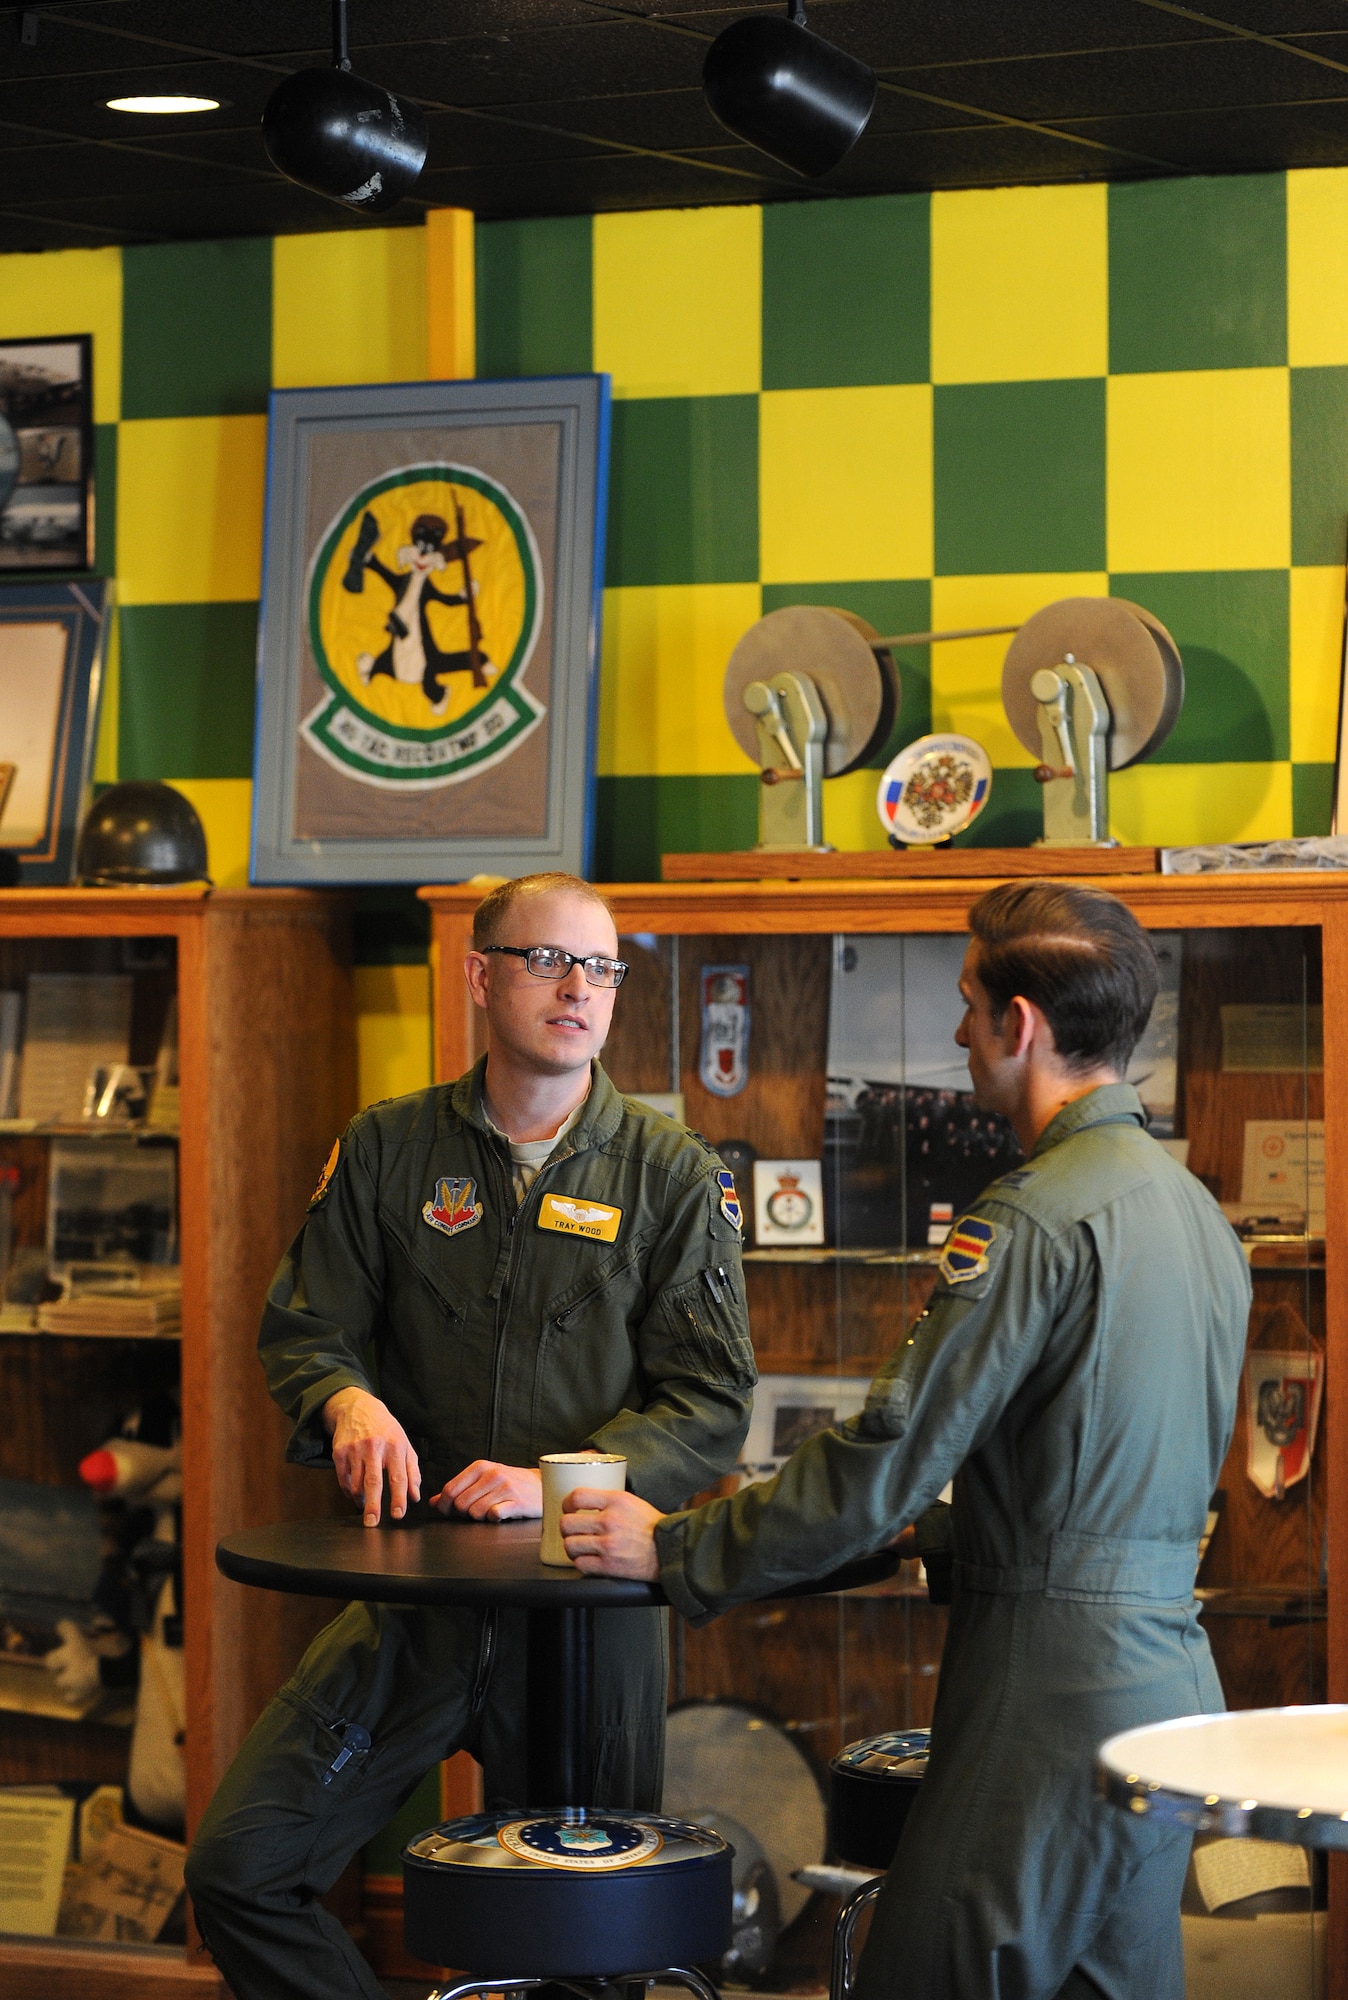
x: 430, y: 630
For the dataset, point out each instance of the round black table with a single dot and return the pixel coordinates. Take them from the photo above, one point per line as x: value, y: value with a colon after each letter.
x: 484, y: 1563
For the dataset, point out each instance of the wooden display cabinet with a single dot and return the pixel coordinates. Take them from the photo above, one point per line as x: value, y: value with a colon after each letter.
x: 1273, y: 1582
x: 266, y: 1038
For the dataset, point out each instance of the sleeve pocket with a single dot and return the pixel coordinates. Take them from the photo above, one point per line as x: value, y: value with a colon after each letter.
x: 710, y: 1337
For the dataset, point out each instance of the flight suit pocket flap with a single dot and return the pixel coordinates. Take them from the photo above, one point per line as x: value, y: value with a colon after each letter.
x: 708, y: 1332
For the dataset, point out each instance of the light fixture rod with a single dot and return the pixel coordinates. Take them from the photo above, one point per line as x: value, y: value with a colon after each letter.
x: 340, y: 55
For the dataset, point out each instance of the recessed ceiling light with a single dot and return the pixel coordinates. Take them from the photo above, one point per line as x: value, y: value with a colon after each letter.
x: 163, y: 106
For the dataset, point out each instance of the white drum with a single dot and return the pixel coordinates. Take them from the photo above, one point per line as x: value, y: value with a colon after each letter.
x: 1268, y: 1773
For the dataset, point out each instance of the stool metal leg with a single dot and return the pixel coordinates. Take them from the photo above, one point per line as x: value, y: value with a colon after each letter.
x: 840, y: 1982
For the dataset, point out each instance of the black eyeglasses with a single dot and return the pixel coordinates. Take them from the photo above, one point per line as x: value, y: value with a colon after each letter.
x: 548, y: 961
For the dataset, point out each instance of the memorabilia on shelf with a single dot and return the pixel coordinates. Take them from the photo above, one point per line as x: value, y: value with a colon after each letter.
x: 52, y: 640
x: 903, y: 1136
x: 1283, y: 1174
x: 111, y: 1202
x: 37, y: 1825
x: 46, y: 453
x: 1310, y: 851
x: 723, y: 1054
x: 127, y: 1890
x: 790, y: 1408
x: 11, y: 1012
x: 1282, y: 1404
x: 933, y: 790
x: 1271, y: 1038
x: 1153, y: 1069
x: 788, y: 1203
x: 429, y: 630
x: 51, y: 1560
x: 76, y: 1023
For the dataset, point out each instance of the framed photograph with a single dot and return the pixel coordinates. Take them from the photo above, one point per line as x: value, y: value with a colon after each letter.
x: 52, y: 639
x: 788, y: 1203
x: 47, y: 453
x: 429, y: 636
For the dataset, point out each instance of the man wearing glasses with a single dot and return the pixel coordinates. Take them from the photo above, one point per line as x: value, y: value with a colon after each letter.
x: 518, y: 1263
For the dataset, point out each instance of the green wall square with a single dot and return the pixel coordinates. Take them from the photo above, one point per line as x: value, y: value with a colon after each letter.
x: 1013, y: 815
x: 535, y: 306
x: 639, y: 819
x: 683, y: 490
x: 1198, y: 274
x: 187, y: 685
x: 846, y: 292
x: 1232, y: 630
x: 1312, y: 798
x: 196, y: 328
x: 1319, y: 464
x: 1019, y: 477
x: 891, y: 607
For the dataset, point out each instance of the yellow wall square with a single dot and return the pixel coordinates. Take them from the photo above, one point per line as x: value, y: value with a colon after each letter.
x: 348, y: 306
x: 845, y: 484
x: 208, y: 471
x: 851, y: 820
x: 393, y: 1030
x: 1019, y: 283
x: 665, y: 652
x: 1199, y: 472
x: 225, y: 808
x: 1317, y: 267
x: 1316, y: 663
x: 966, y: 674
x: 1190, y: 805
x: 678, y: 301
x: 70, y: 291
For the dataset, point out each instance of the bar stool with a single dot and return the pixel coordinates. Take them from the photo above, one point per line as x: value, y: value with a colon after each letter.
x: 872, y: 1786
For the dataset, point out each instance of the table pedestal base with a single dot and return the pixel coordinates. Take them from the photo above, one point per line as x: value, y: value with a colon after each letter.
x: 585, y: 1989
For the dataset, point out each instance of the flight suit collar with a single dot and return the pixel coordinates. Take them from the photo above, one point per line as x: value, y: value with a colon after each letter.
x: 1110, y: 1104
x: 599, y: 1119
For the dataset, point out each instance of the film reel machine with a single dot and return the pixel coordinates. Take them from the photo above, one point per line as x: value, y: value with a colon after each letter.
x: 1090, y: 685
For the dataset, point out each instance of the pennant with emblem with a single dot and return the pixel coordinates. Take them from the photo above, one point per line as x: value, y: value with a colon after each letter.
x: 965, y: 1255
x: 455, y: 1207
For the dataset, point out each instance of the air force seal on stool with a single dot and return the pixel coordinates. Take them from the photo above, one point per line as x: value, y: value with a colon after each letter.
x: 966, y: 1250
x: 455, y: 1208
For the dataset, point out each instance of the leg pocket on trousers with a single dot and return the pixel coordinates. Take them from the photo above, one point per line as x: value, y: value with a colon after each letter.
x: 344, y: 1749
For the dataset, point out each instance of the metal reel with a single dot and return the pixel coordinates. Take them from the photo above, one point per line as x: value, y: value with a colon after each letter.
x: 1134, y: 657
x: 858, y: 684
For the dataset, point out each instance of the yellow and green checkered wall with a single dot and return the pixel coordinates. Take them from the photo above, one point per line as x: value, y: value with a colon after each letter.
x: 934, y: 410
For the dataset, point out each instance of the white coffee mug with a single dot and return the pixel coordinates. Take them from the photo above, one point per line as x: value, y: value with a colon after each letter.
x: 563, y: 1472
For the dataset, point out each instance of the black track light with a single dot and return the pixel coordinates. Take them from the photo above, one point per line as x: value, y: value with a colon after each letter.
x: 787, y: 91
x: 341, y: 136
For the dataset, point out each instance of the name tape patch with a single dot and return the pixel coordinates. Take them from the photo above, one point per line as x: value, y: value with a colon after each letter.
x: 571, y: 1215
x: 966, y: 1250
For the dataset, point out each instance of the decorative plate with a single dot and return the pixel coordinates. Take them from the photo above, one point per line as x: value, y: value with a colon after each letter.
x: 934, y: 788
x: 563, y: 1842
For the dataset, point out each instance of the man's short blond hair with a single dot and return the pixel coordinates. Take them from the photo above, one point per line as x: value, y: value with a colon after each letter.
x: 490, y: 913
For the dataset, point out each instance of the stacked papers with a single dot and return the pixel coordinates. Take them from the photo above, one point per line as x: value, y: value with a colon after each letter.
x: 122, y: 1315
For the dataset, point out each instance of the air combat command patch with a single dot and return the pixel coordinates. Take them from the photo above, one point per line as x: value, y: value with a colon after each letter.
x: 966, y: 1250
x: 455, y: 1208
x: 730, y: 1201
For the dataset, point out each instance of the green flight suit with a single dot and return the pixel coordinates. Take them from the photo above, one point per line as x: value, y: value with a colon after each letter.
x: 1076, y: 1372
x: 489, y: 1334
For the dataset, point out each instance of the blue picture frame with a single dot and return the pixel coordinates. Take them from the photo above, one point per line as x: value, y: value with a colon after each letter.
x: 53, y: 637
x: 428, y: 646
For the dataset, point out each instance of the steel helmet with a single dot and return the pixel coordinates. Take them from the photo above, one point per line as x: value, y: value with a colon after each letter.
x: 141, y: 832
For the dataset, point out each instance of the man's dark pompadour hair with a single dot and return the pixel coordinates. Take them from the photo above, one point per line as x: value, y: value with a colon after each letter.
x: 1080, y: 955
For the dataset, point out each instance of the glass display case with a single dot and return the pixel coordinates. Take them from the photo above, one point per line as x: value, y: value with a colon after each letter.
x: 173, y: 1066
x: 807, y: 1031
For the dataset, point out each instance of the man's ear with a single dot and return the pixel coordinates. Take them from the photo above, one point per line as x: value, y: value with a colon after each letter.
x: 1021, y: 1025
x: 476, y: 974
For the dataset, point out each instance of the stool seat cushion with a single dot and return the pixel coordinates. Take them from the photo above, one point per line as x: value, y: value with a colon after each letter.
x: 872, y: 1786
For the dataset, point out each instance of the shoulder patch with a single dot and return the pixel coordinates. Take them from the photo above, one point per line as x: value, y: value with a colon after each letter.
x: 730, y: 1201
x: 325, y: 1178
x: 966, y: 1250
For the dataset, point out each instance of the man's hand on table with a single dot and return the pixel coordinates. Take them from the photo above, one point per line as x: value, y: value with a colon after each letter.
x: 611, y: 1534
x: 368, y: 1442
x: 486, y: 1491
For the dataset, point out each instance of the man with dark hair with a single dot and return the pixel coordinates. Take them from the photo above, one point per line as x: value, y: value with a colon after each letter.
x: 1076, y: 1373
x: 441, y: 1321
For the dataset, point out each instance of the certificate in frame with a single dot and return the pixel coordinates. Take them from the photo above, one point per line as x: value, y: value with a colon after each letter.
x: 52, y: 639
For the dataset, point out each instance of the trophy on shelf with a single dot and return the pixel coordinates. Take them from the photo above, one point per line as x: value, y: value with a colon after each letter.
x: 1090, y: 685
